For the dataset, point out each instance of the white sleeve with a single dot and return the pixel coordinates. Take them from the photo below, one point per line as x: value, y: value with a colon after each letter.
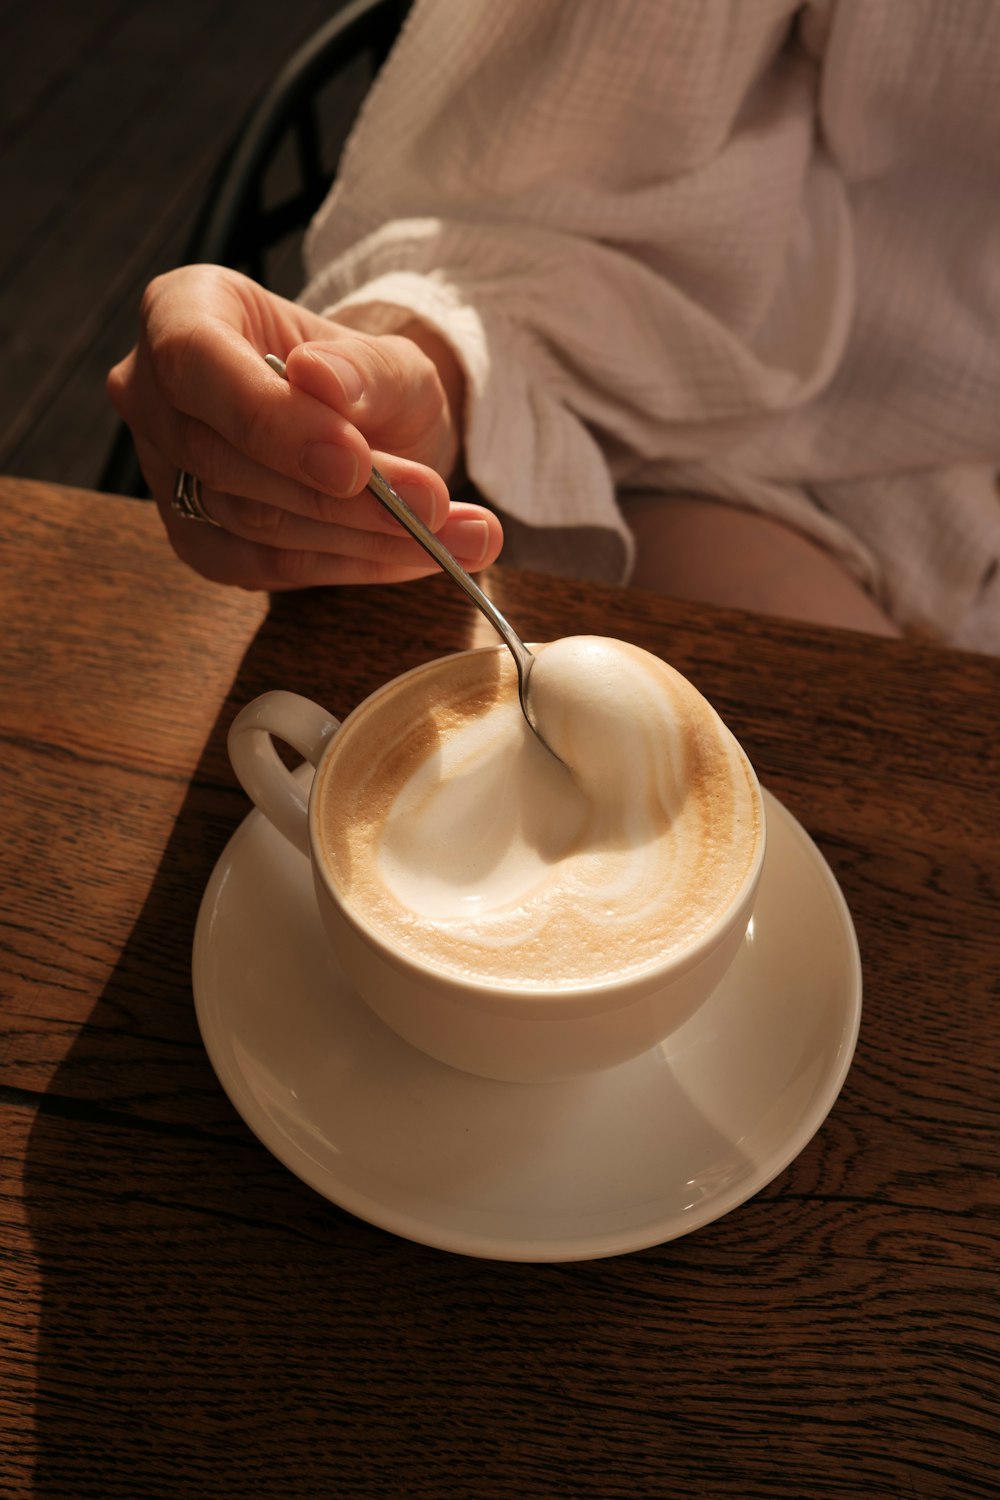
x: 554, y: 188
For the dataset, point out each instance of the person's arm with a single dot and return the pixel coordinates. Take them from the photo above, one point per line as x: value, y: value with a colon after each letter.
x: 595, y: 207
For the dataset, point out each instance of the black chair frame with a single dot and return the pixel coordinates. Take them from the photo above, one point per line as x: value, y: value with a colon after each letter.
x: 236, y: 226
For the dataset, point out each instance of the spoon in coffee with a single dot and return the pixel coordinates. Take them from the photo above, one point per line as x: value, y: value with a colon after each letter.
x: 397, y: 506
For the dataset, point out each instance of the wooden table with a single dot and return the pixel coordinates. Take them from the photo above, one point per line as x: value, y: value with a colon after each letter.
x: 181, y: 1316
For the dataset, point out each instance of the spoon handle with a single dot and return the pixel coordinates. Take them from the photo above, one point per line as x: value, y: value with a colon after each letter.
x: 383, y: 490
x: 397, y: 506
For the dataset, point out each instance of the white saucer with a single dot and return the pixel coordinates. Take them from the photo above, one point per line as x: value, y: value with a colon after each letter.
x: 540, y: 1172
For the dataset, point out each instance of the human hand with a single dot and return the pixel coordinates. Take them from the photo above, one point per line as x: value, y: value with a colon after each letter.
x: 283, y: 466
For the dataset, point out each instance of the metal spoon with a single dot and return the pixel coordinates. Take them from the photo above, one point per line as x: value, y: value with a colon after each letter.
x: 383, y: 491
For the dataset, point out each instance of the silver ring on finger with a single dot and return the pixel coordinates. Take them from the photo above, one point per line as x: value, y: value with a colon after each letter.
x: 187, y: 501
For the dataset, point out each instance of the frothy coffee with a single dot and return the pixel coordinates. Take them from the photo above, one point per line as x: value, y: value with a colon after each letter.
x: 448, y: 828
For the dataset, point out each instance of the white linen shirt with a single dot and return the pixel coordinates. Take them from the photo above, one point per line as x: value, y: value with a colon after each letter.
x: 742, y: 248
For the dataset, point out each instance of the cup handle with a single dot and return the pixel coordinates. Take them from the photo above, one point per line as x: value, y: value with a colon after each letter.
x: 281, y: 797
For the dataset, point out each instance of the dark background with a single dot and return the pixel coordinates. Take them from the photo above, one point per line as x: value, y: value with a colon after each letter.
x: 113, y: 115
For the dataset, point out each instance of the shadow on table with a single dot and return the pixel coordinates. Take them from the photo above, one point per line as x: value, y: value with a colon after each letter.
x: 210, y: 1326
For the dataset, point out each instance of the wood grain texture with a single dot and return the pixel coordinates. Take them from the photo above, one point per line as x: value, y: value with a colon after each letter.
x: 184, y: 1317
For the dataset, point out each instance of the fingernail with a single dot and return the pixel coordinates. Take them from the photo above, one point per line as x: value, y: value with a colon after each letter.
x: 347, y: 376
x: 331, y: 467
x: 469, y: 540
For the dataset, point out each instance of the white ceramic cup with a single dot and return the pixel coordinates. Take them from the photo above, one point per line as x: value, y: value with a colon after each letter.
x: 481, y: 1027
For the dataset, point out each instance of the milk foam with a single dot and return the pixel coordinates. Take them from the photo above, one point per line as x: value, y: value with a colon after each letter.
x: 451, y: 829
x: 481, y: 822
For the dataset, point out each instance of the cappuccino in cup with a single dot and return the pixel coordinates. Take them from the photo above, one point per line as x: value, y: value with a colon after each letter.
x: 449, y: 827
x: 523, y: 910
